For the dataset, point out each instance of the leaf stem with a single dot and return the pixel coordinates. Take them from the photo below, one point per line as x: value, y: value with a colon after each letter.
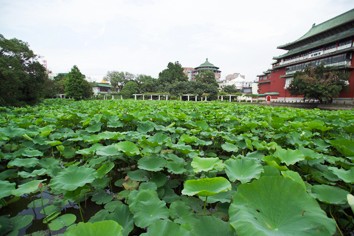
x: 340, y: 231
x: 81, y: 215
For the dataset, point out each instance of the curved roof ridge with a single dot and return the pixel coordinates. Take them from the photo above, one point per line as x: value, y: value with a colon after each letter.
x: 324, y: 26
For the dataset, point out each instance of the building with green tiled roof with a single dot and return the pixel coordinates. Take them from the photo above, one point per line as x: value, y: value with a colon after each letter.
x: 207, y: 66
x: 329, y: 43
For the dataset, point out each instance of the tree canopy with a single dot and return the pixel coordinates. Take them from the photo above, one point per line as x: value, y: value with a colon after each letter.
x: 22, y: 77
x: 319, y: 83
x: 118, y: 79
x: 173, y: 73
x: 206, y: 77
x: 76, y: 86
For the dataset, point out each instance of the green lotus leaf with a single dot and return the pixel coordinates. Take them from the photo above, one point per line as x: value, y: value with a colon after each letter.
x: 165, y: 227
x: 181, y: 212
x: 185, y: 138
x: 289, y: 156
x: 104, y: 169
x: 19, y: 222
x: 145, y: 126
x: 243, y: 169
x: 129, y: 148
x: 110, y: 150
x: 350, y: 199
x: 34, y: 173
x: 202, y: 124
x: 53, y: 143
x: 206, y: 186
x: 229, y: 147
x: 94, y: 128
x: 159, y: 139
x: 210, y: 225
x: 8, y: 174
x: 294, y: 176
x: 345, y: 175
x: 175, y: 164
x: 101, y: 197
x: 138, y: 175
x: 89, y: 151
x: 114, y: 122
x: 206, y: 164
x: 106, y: 228
x: 23, y: 162
x: 151, y: 163
x: 275, y: 205
x: 29, y: 187
x: 72, y: 178
x: 38, y: 203
x: 6, y: 188
x: 329, y: 194
x: 147, y: 208
x: 29, y: 152
x: 344, y: 146
x: 62, y: 221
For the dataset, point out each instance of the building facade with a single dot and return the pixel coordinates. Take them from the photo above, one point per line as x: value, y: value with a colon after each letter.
x: 329, y: 43
x: 206, y: 66
x: 237, y: 80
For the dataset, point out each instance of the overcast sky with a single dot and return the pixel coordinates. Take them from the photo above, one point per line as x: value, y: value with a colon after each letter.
x: 142, y: 36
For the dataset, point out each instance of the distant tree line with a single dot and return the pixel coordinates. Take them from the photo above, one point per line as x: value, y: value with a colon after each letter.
x: 171, y: 80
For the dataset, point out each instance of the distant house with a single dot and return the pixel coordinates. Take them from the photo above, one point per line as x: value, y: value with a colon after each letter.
x: 101, y: 88
x: 191, y: 72
x: 239, y: 81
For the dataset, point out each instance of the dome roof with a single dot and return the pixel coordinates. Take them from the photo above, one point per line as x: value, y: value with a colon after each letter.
x: 207, y: 64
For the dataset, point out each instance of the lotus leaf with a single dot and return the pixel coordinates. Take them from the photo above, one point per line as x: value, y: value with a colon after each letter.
x: 62, y: 221
x: 345, y: 175
x: 104, y: 169
x: 29, y: 152
x: 175, y: 164
x: 23, y: 162
x: 145, y: 126
x: 275, y: 205
x: 329, y: 194
x: 6, y: 188
x: 344, y: 146
x: 289, y: 156
x: 206, y: 187
x: 106, y: 228
x: 165, y: 227
x: 350, y: 199
x: 19, y: 222
x: 147, y: 208
x: 294, y: 176
x: 151, y: 163
x: 101, y: 197
x: 229, y: 147
x: 181, y: 212
x: 210, y: 226
x: 72, y: 178
x: 206, y: 164
x: 29, y: 187
x: 138, y: 175
x: 110, y: 150
x: 34, y: 173
x: 94, y: 128
x: 243, y: 169
x: 127, y: 147
x: 38, y: 203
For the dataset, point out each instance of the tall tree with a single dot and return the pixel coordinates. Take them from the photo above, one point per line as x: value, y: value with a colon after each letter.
x: 76, y: 86
x: 207, y: 77
x: 118, y: 79
x: 22, y: 77
x: 147, y: 83
x: 173, y: 73
x: 129, y: 89
x: 319, y: 83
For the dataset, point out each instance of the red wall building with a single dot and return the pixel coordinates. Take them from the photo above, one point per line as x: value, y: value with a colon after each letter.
x: 330, y: 43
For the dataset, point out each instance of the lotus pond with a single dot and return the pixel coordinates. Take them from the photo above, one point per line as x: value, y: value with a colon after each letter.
x: 175, y: 168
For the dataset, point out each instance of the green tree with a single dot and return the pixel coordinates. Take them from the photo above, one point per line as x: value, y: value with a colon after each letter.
x: 22, y: 77
x: 118, y: 79
x: 147, y: 83
x: 76, y: 86
x: 173, y: 73
x: 230, y: 89
x: 129, y: 89
x: 206, y: 77
x: 319, y: 83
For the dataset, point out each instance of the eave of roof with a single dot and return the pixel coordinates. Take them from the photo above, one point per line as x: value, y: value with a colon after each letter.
x: 319, y: 43
x: 323, y: 27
